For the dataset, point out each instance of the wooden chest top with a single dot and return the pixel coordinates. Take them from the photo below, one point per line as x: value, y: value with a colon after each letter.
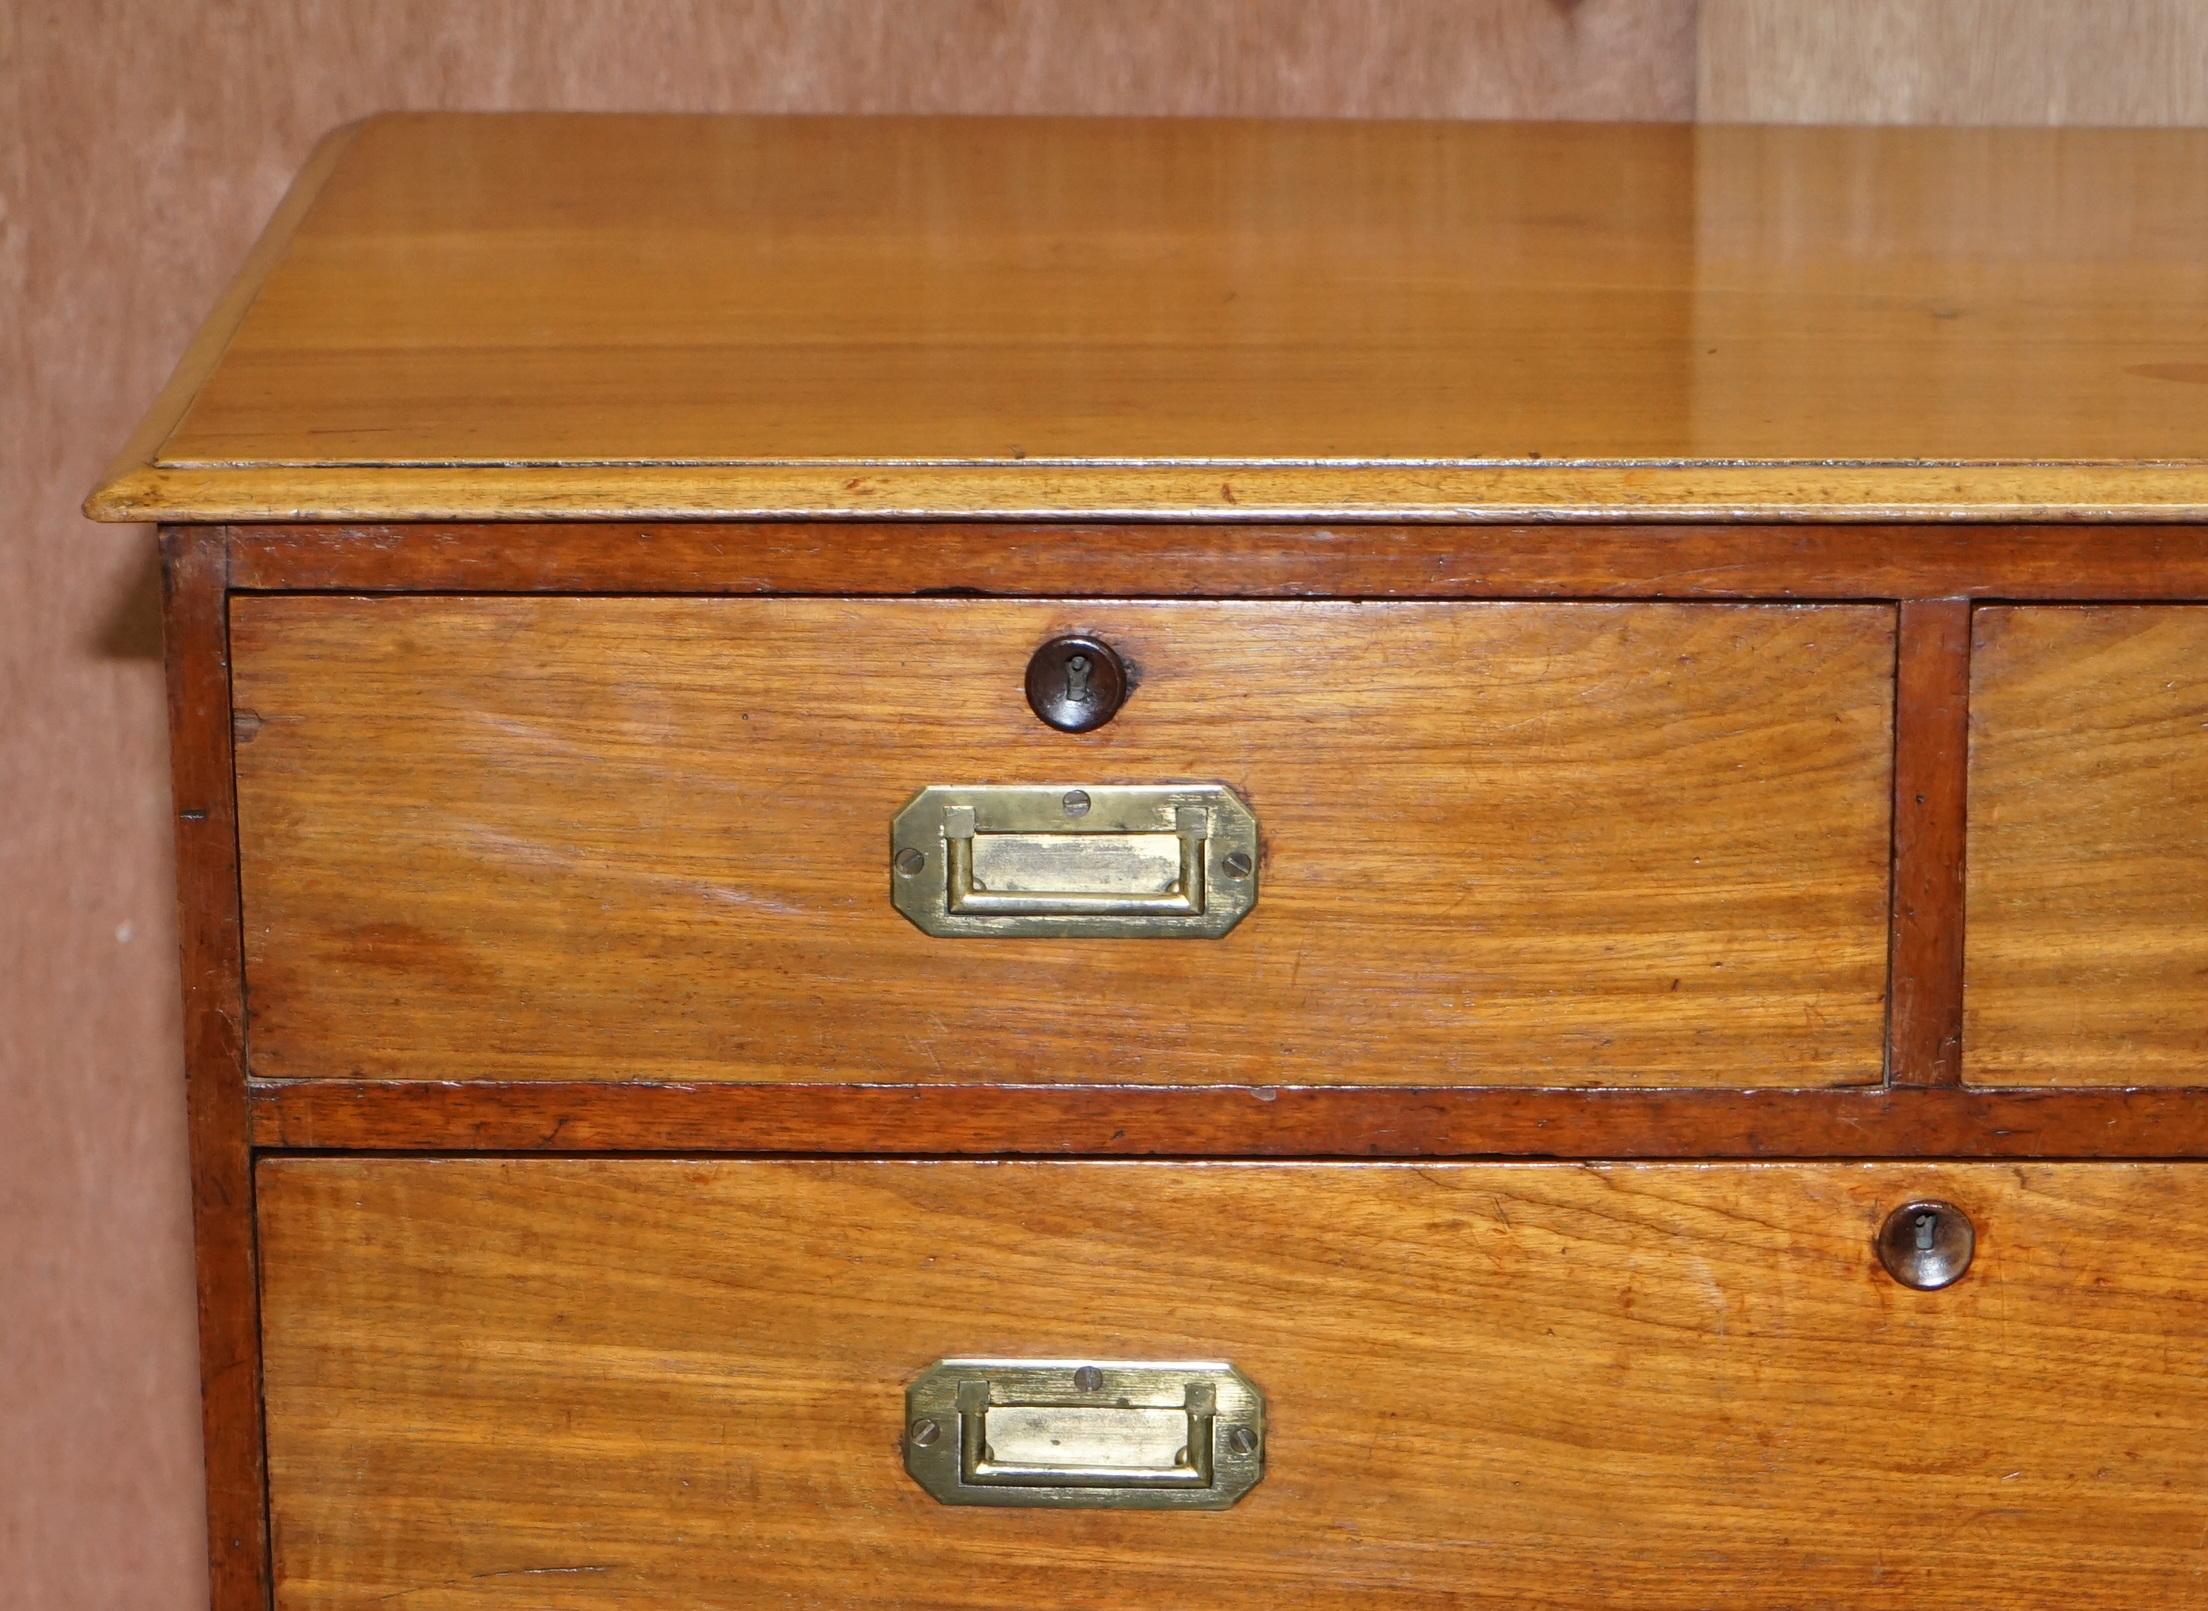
x: 568, y: 317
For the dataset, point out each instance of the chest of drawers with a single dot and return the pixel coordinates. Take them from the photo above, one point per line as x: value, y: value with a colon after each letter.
x: 975, y: 864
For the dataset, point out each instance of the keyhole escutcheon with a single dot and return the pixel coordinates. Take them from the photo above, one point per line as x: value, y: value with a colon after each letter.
x: 1927, y: 1245
x: 1076, y: 683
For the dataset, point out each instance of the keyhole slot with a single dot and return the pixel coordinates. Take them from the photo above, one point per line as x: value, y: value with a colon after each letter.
x: 1077, y: 679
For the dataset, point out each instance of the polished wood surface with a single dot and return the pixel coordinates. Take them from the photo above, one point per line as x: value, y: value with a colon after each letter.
x: 2088, y: 865
x: 608, y: 317
x: 1274, y: 1121
x: 194, y: 571
x: 626, y: 1383
x: 1184, y: 560
x: 1924, y: 1026
x: 1522, y: 844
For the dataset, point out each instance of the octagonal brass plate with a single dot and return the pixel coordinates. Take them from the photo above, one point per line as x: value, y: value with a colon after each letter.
x: 1075, y: 860
x: 1085, y: 1434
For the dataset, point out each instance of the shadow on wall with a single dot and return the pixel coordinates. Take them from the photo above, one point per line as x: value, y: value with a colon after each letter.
x: 130, y: 627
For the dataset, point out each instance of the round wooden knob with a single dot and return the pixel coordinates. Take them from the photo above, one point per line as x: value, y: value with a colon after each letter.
x: 1076, y: 684
x: 1927, y: 1245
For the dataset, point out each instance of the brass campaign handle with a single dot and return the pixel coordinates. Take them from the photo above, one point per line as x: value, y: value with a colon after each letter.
x: 1069, y: 1434
x: 1075, y: 861
x: 1185, y: 897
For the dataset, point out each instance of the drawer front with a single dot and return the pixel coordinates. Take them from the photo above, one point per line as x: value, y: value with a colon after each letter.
x: 624, y: 1383
x: 601, y: 838
x: 2087, y: 923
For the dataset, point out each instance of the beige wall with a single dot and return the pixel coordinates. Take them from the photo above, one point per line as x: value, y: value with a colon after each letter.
x: 141, y: 143
x: 1953, y: 61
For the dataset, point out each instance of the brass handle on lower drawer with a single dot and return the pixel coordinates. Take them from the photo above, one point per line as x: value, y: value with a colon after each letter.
x: 1094, y: 861
x: 1063, y: 1433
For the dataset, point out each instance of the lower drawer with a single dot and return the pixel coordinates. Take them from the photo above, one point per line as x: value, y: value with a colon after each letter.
x: 500, y: 1383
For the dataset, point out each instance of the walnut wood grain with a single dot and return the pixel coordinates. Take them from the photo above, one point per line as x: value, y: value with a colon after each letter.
x: 1924, y: 1030
x: 605, y: 318
x: 1254, y: 560
x: 1518, y: 844
x: 212, y: 964
x: 2088, y: 877
x: 1226, y: 1121
x: 614, y: 1384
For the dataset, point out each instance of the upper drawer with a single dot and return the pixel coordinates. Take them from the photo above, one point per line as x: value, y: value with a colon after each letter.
x: 1502, y: 843
x: 2087, y: 931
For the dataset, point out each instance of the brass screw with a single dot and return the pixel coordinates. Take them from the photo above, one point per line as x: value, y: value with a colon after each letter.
x: 910, y: 861
x: 1075, y: 802
x: 1238, y: 864
x: 1088, y: 1378
x: 924, y: 1432
x: 1241, y: 1440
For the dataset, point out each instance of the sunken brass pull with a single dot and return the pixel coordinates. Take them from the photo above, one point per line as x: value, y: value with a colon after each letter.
x: 1113, y: 865
x: 1064, y: 1433
x: 1092, y: 861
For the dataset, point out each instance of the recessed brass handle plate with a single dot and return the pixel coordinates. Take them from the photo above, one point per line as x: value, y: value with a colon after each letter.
x: 1081, y: 861
x: 1085, y: 1434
